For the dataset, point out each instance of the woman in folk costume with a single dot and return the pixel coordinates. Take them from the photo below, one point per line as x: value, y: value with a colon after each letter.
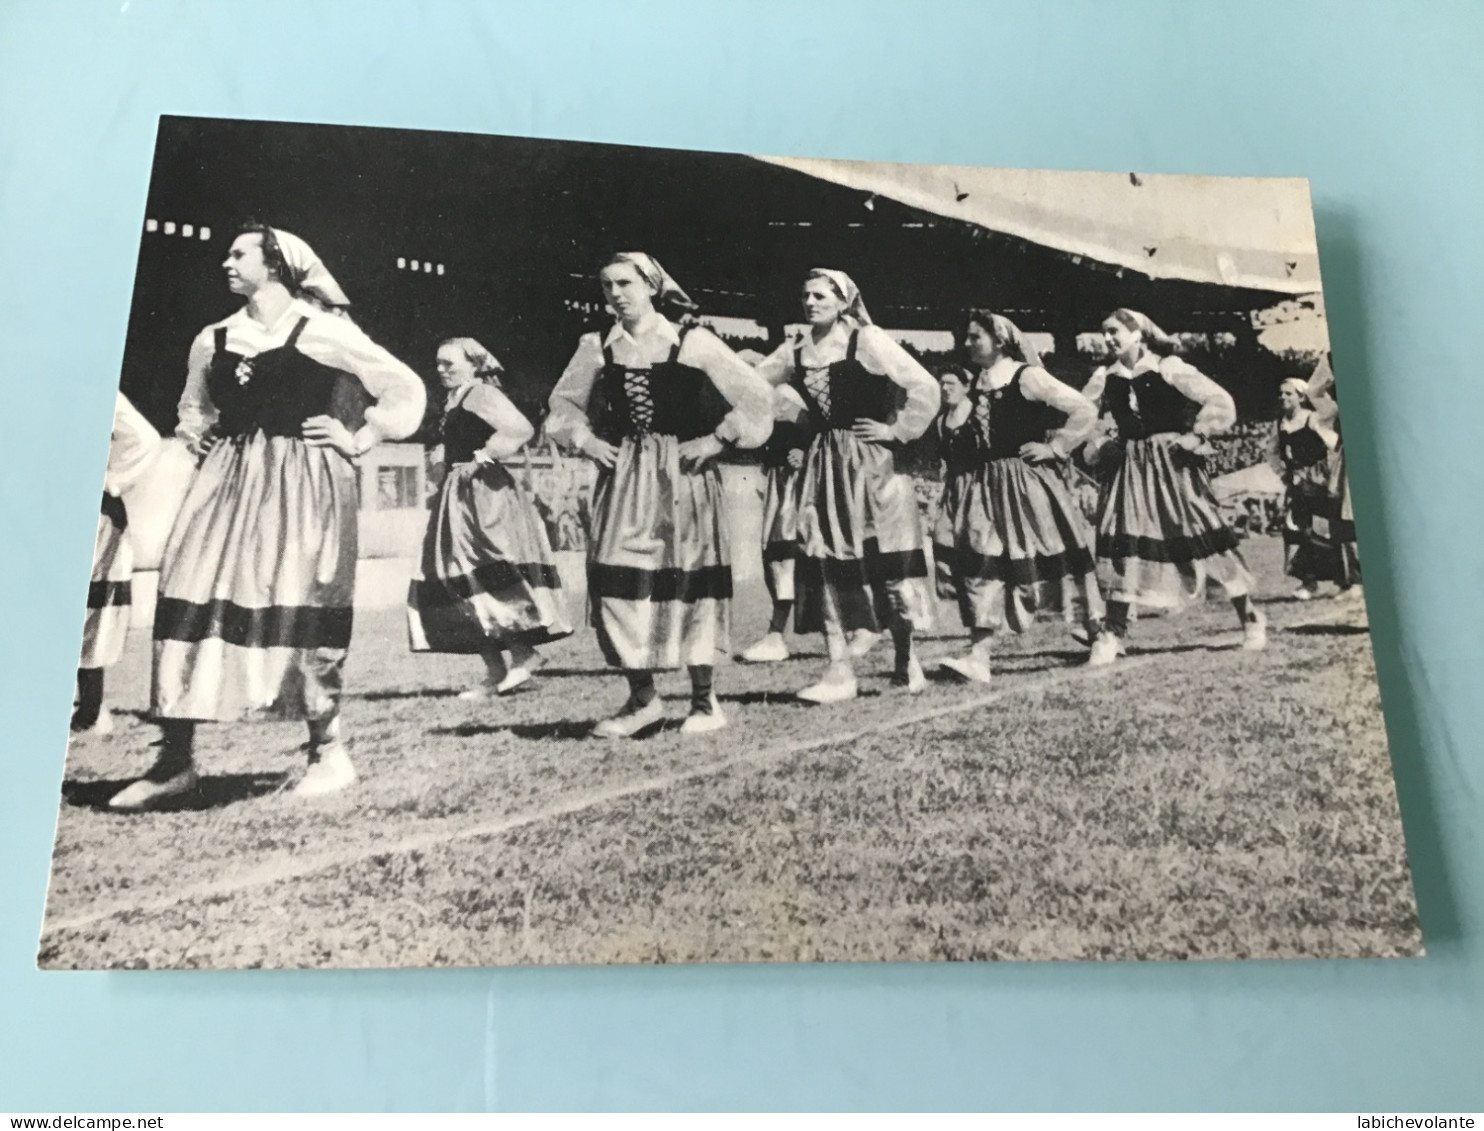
x: 1010, y: 539
x: 487, y: 582
x: 861, y: 563
x: 1339, y: 510
x: 1160, y: 534
x: 783, y: 461
x: 653, y: 402
x: 258, y: 574
x: 133, y: 445
x: 1304, y: 452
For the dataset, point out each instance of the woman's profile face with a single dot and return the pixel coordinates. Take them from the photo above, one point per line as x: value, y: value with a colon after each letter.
x: 980, y: 345
x: 822, y: 303
x: 454, y: 369
x: 1119, y: 338
x: 244, y: 265
x: 954, y: 389
x: 1290, y: 399
x: 626, y: 290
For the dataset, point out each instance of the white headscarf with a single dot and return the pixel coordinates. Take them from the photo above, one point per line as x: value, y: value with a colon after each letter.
x: 666, y: 290
x: 309, y: 275
x: 855, y: 307
x: 1008, y: 336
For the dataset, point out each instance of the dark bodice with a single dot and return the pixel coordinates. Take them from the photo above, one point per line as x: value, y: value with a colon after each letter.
x: 999, y: 424
x: 464, y: 433
x: 845, y: 391
x: 1014, y: 419
x: 275, y: 391
x: 664, y: 399
x: 1147, y: 404
x: 1301, y: 448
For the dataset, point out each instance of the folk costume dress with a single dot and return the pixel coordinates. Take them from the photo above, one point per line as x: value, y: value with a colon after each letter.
x: 134, y: 444
x: 258, y: 573
x: 1160, y: 534
x: 1305, y: 452
x: 659, y: 562
x: 1009, y: 537
x: 486, y: 574
x: 861, y: 545
x: 1339, y: 511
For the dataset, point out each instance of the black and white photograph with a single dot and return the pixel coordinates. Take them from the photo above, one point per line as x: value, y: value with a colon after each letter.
x: 534, y: 552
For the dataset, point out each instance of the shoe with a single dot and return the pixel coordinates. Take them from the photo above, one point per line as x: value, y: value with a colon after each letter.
x: 484, y: 689
x: 514, y: 678
x: 330, y: 770
x: 830, y: 691
x: 769, y: 650
x: 1255, y: 633
x: 1105, y: 649
x: 149, y: 793
x: 704, y: 722
x: 631, y: 720
x: 1303, y: 593
x: 862, y: 640
x: 966, y: 668
x: 102, y: 726
x: 911, y: 677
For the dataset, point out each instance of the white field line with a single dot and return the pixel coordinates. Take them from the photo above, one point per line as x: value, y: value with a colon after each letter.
x: 298, y: 867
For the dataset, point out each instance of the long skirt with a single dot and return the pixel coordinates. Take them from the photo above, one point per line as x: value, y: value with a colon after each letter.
x: 781, y: 530
x: 1160, y: 534
x: 861, y: 562
x: 486, y: 575
x: 1310, y: 518
x: 659, y: 567
x: 1010, y: 540
x: 106, y: 625
x: 256, y: 584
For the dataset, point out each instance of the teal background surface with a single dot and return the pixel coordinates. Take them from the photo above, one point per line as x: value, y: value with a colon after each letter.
x: 1381, y: 105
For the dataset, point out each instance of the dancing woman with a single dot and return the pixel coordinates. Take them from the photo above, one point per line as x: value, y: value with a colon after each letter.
x: 641, y: 400
x: 487, y: 581
x: 1010, y: 539
x: 1304, y: 451
x: 1160, y: 534
x: 133, y: 446
x: 1339, y: 509
x: 258, y: 574
x: 861, y: 563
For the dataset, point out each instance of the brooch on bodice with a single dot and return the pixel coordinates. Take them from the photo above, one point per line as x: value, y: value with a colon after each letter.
x: 244, y: 371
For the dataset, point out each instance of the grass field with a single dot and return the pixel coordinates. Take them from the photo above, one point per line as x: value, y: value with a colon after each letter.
x: 1192, y: 801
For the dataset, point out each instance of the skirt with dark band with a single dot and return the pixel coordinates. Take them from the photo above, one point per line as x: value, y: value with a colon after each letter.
x: 860, y: 539
x: 659, y: 567
x: 781, y: 530
x: 1311, y: 526
x: 256, y: 584
x: 1009, y: 541
x: 486, y: 575
x: 1160, y: 534
x: 107, y: 622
